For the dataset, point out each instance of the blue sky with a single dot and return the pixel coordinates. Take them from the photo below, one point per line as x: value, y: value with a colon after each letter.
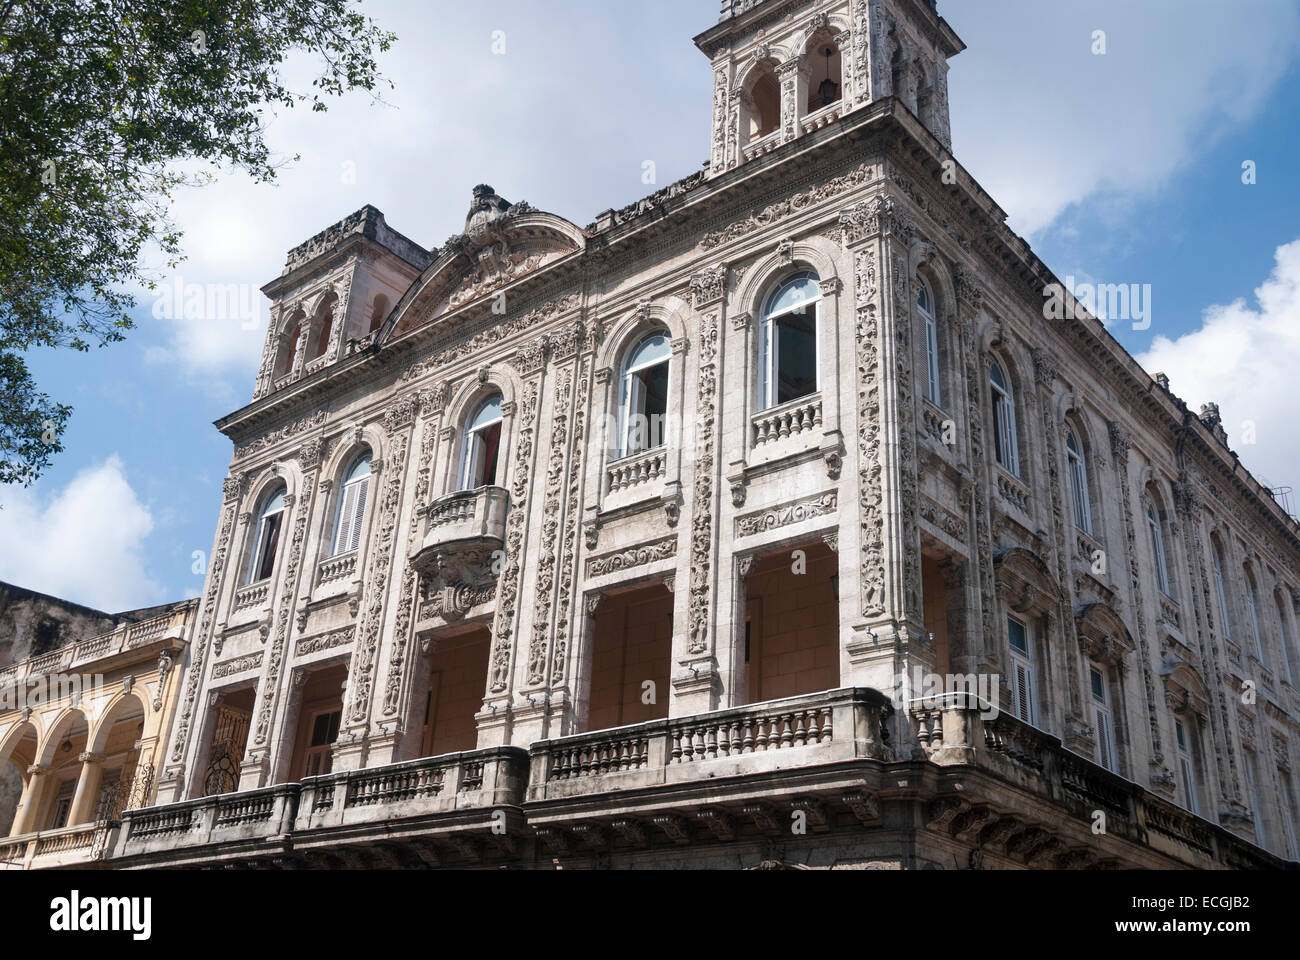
x: 1122, y: 168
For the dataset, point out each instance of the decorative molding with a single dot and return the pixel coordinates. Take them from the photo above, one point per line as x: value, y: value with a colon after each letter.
x: 633, y: 557
x: 787, y: 514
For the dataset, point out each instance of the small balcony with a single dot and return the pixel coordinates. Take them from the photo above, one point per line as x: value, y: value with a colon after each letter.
x: 238, y: 818
x: 471, y: 521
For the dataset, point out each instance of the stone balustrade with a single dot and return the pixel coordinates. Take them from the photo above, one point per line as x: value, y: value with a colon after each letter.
x: 460, y: 781
x: 334, y: 569
x: 635, y: 471
x: 77, y: 846
x: 802, y: 731
x: 253, y: 595
x: 789, y: 420
x: 249, y: 816
x: 67, y: 659
x: 467, y: 520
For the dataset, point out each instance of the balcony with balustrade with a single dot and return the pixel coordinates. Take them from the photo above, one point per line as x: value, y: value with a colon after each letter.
x: 465, y: 523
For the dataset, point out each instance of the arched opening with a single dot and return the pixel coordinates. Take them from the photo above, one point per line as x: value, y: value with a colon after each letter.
x: 19, y: 756
x: 113, y: 778
x: 826, y: 84
x: 323, y: 328
x: 288, y: 347
x: 1077, y: 473
x: 61, y: 758
x: 762, y: 105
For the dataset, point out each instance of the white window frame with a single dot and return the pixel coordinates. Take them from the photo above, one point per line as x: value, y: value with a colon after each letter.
x: 1103, y: 717
x: 630, y: 386
x: 767, y: 341
x: 1157, y: 530
x: 471, y: 457
x: 1284, y: 639
x: 934, y: 382
x: 350, y: 515
x: 1187, y: 764
x: 1078, y: 472
x: 1023, y: 683
x: 255, y: 559
x: 1006, y: 447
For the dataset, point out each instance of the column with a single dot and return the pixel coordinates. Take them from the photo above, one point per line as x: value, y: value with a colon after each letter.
x: 30, y: 804
x: 83, y: 801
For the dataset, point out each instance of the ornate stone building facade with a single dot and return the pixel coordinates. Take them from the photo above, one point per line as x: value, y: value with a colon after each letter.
x: 83, y: 727
x: 528, y: 535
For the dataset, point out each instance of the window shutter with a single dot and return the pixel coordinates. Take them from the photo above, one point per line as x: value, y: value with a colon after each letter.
x: 1023, y: 693
x: 342, y: 535
x: 361, y: 489
x: 1105, y: 740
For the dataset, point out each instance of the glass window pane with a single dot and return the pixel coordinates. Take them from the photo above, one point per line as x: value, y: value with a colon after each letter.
x: 651, y: 350
x: 796, y: 355
x: 794, y: 293
x: 490, y: 412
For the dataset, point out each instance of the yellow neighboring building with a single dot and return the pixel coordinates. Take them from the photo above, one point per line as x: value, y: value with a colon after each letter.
x: 83, y: 728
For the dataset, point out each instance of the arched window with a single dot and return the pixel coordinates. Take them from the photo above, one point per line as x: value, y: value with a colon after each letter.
x: 925, y: 305
x: 787, y: 342
x: 643, y: 405
x: 482, y: 445
x: 1004, y: 421
x: 1078, y: 472
x: 352, y: 506
x: 1157, y: 531
x: 1284, y: 638
x: 1252, y: 609
x: 1216, y: 555
x: 266, y: 542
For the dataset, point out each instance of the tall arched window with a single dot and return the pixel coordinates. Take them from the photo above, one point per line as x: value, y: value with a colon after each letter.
x: 352, y: 506
x: 261, y: 561
x: 1252, y: 610
x: 1225, y: 616
x: 643, y: 405
x: 1103, y: 716
x: 1078, y: 472
x: 1157, y: 531
x: 925, y: 305
x: 482, y: 445
x: 787, y: 342
x: 1004, y: 421
x: 1284, y: 638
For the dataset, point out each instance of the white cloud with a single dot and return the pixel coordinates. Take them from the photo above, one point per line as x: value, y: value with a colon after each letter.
x: 1244, y: 357
x: 1044, y: 124
x: 83, y: 543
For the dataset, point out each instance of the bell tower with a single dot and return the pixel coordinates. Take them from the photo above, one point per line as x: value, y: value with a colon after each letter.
x: 785, y: 68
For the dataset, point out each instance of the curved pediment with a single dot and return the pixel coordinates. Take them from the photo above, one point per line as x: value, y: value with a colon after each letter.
x: 1025, y: 580
x: 1103, y: 635
x: 502, y: 243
